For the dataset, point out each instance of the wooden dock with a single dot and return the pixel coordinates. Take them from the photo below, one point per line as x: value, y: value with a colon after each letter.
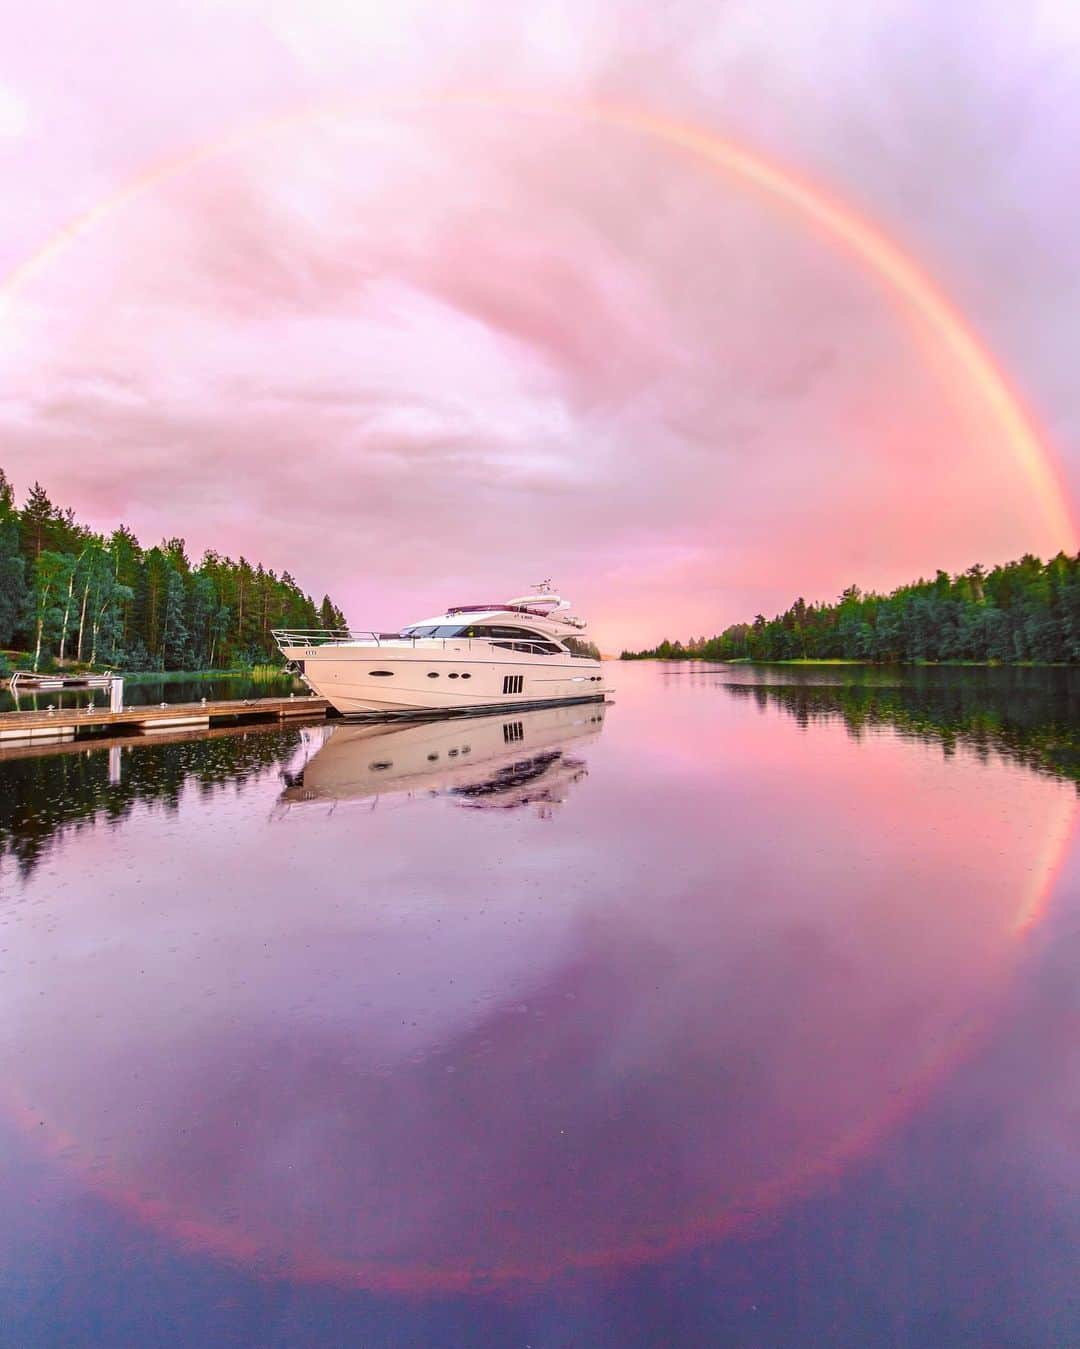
x: 70, y: 723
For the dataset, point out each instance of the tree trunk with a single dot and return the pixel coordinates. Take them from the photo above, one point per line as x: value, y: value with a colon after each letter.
x: 67, y: 614
x: 99, y: 615
x: 41, y: 624
x: 82, y: 618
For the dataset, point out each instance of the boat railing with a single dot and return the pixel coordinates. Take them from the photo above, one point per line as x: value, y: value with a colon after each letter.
x: 29, y: 681
x: 328, y: 636
x: 314, y: 637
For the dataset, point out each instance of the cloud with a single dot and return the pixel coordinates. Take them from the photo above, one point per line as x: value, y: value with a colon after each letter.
x: 481, y: 344
x: 14, y: 116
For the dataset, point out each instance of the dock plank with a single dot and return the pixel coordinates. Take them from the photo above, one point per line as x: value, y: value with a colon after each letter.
x: 12, y: 750
x: 67, y: 721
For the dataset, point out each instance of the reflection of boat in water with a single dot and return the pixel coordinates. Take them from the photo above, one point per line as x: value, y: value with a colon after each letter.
x: 513, y: 759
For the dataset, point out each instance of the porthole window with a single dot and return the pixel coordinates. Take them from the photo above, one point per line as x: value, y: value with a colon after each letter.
x: 433, y: 674
x: 433, y: 757
x: 452, y: 676
x: 380, y: 764
x: 380, y: 674
x: 466, y: 676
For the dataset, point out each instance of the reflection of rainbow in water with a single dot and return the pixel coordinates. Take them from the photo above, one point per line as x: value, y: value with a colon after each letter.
x: 903, y: 279
x: 273, y: 1253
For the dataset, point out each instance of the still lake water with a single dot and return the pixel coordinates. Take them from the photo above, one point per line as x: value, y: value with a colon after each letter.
x: 741, y: 1011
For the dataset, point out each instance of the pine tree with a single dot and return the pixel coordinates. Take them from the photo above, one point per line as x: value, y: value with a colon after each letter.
x: 174, y: 633
x: 38, y: 518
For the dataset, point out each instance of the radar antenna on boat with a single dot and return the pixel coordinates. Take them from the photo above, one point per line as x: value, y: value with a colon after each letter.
x: 541, y: 598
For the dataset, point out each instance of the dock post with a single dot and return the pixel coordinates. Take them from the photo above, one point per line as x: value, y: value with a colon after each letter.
x: 116, y: 695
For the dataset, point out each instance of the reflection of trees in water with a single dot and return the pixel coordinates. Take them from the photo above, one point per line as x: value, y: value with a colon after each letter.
x: 46, y: 796
x: 1032, y: 718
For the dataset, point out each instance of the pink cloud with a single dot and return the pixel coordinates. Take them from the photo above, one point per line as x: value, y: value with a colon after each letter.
x: 437, y: 355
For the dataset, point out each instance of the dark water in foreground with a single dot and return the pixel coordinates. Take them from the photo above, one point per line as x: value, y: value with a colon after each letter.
x: 743, y: 1011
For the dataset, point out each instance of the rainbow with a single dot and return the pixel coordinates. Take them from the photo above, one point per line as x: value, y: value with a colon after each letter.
x: 919, y: 297
x: 856, y: 236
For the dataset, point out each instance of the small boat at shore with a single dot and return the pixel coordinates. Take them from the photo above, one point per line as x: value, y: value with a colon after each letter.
x: 474, y: 658
x: 28, y: 681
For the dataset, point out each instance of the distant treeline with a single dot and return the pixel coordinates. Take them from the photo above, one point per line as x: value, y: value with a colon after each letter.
x: 68, y: 594
x: 1022, y: 611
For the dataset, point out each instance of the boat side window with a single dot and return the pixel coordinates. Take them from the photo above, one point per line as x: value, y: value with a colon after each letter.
x: 532, y: 648
x: 427, y: 631
x: 446, y: 630
x: 498, y: 630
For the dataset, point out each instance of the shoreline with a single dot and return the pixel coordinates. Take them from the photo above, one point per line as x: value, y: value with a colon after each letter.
x: 863, y: 664
x: 154, y: 676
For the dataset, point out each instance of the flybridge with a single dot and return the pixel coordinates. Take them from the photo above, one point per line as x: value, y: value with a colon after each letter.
x: 497, y: 609
x: 543, y: 604
x: 567, y: 620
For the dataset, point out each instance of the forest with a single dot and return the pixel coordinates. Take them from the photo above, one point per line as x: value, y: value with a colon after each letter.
x: 70, y: 596
x: 1026, y: 611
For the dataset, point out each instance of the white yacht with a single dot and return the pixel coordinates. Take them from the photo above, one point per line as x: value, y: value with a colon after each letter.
x: 527, y: 652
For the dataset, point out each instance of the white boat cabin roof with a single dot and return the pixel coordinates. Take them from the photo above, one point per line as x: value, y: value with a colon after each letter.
x: 550, y: 619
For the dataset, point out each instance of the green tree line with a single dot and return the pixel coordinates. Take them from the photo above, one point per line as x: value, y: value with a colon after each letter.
x: 70, y: 595
x: 1028, y: 610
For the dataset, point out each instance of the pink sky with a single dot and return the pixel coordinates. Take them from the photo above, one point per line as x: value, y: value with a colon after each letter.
x: 430, y: 358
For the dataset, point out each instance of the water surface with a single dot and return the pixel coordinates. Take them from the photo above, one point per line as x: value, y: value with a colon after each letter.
x: 741, y: 1010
